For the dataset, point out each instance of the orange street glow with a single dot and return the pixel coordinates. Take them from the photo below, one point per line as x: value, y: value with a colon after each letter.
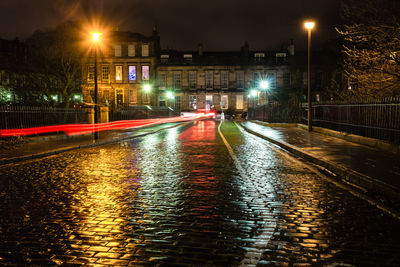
x: 309, y: 25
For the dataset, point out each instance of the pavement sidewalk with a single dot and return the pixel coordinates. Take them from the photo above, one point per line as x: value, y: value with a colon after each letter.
x: 371, y: 169
x: 42, y: 146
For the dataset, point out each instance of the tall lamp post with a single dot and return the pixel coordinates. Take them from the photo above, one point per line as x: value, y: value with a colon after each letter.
x: 309, y: 25
x: 96, y: 40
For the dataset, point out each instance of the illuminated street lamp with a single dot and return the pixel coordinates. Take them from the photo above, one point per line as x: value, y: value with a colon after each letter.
x: 147, y: 88
x: 264, y: 84
x: 309, y: 25
x: 253, y: 94
x: 96, y: 39
x: 169, y: 95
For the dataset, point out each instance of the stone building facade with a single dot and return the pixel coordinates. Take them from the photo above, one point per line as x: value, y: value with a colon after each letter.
x: 182, y: 80
x: 218, y: 80
x: 125, y: 65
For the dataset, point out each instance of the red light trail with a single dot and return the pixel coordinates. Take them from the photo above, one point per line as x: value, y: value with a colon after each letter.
x: 78, y: 129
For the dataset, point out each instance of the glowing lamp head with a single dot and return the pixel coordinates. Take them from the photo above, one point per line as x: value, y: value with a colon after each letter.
x: 147, y: 88
x: 169, y: 95
x: 264, y: 85
x: 96, y: 36
x: 253, y: 93
x: 309, y: 25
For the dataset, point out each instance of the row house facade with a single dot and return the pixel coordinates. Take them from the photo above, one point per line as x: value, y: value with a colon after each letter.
x: 184, y: 81
x: 124, y: 67
x: 218, y: 80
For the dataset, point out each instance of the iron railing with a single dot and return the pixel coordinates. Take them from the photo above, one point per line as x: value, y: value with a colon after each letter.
x: 378, y: 119
x: 16, y: 117
x: 375, y: 119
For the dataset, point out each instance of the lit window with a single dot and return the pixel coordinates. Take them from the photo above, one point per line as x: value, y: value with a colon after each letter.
x: 118, y: 73
x: 280, y: 57
x: 145, y: 50
x: 164, y: 58
x: 209, y: 102
x: 224, y: 102
x: 193, y: 102
x: 105, y: 73
x: 188, y: 57
x: 239, y: 101
x: 259, y: 56
x: 131, y: 50
x: 132, y: 73
x: 145, y: 73
x: 117, y: 50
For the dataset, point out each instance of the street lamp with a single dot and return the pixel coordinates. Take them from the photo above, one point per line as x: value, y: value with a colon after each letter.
x: 96, y: 39
x: 264, y: 84
x: 170, y: 98
x: 169, y: 95
x: 253, y: 93
x: 309, y: 25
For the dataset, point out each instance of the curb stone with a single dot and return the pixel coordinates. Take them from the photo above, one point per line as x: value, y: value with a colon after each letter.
x: 368, y: 141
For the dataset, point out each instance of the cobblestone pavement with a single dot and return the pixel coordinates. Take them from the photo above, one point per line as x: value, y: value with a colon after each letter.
x: 179, y: 198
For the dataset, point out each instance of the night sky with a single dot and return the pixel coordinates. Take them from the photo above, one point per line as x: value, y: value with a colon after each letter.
x: 182, y: 24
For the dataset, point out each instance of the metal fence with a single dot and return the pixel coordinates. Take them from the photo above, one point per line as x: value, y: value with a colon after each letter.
x: 140, y: 112
x: 15, y: 117
x: 376, y: 119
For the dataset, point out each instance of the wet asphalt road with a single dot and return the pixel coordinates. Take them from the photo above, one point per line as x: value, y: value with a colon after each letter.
x: 179, y: 197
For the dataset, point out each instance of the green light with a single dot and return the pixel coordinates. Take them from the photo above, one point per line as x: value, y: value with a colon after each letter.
x: 147, y: 88
x: 76, y: 97
x: 169, y: 95
x: 8, y: 95
x: 253, y: 93
x: 264, y: 84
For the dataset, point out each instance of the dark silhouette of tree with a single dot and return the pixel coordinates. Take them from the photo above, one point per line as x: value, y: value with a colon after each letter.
x: 55, y: 65
x: 371, y: 49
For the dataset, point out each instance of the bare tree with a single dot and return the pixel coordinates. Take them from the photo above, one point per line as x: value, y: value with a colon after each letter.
x: 371, y: 37
x: 56, y: 60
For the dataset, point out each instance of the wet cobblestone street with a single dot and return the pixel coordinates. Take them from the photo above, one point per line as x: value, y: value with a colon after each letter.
x: 178, y: 197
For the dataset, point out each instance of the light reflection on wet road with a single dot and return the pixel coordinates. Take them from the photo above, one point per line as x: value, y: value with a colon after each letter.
x: 176, y: 198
